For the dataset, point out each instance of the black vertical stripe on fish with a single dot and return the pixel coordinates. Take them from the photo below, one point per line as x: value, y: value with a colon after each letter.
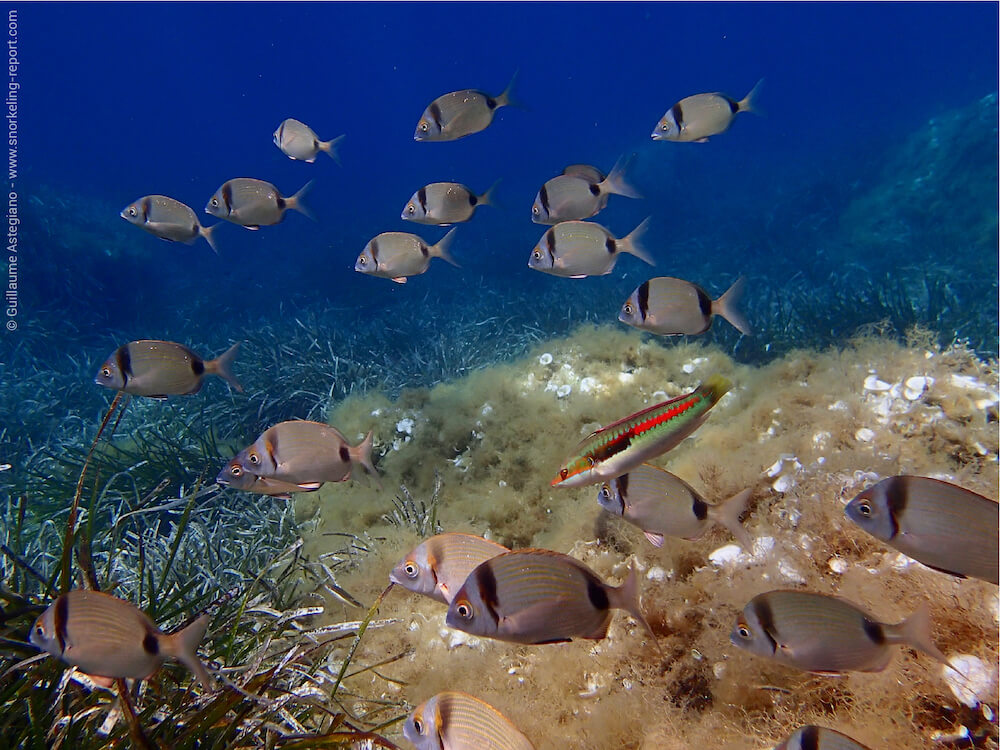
x: 435, y: 110
x: 227, y: 197
x: 124, y: 360
x: 594, y: 189
x: 610, y: 245
x: 147, y: 204
x: 345, y: 455
x: 543, y: 196
x: 281, y: 133
x: 734, y: 106
x: 280, y: 202
x: 874, y: 631
x: 473, y: 200
x: 809, y: 739
x: 643, y: 299
x: 197, y: 366
x: 704, y: 303
x: 150, y: 644
x: 422, y: 198
x: 60, y: 619
x: 491, y: 102
x: 700, y: 508
x: 597, y: 595
x: 623, y: 486
x: 895, y: 498
x: 550, y: 242
x: 677, y: 113
x: 374, y: 247
x: 423, y: 250
x: 486, y: 584
x: 766, y: 619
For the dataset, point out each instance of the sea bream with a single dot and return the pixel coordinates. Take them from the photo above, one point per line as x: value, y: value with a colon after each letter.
x: 460, y: 113
x: 819, y: 738
x: 662, y: 504
x: 254, y: 203
x: 673, y: 307
x: 106, y: 636
x: 826, y: 634
x: 398, y: 255
x: 945, y: 527
x: 628, y: 443
x: 695, y: 118
x: 444, y: 203
x: 299, y: 142
x: 458, y: 721
x: 577, y: 249
x: 168, y: 219
x: 236, y: 478
x: 538, y: 596
x: 163, y: 368
x: 304, y: 453
x: 438, y: 566
x: 574, y: 195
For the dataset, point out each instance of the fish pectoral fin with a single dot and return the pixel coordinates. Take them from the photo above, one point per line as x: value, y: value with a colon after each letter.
x: 251, y: 227
x: 399, y: 279
x: 309, y: 486
x: 827, y: 674
x: 579, y: 276
x: 655, y: 539
x: 700, y: 140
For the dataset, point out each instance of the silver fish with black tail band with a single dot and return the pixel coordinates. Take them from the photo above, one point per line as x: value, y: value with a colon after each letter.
x: 945, y: 527
x: 695, y: 118
x: 254, y: 203
x: 460, y: 113
x: 673, y: 307
x: 158, y: 369
x: 577, y: 249
x: 458, y: 721
x: 444, y: 203
x: 819, y: 738
x: 399, y: 255
x: 299, y: 142
x: 826, y: 634
x: 570, y: 197
x: 168, y: 219
x: 439, y: 566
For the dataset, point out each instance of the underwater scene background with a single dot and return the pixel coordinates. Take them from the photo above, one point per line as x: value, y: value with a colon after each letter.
x: 859, y: 203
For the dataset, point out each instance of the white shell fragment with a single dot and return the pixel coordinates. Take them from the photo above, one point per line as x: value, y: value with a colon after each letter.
x: 545, y: 359
x: 970, y: 680
x: 838, y: 565
x: 872, y: 383
x: 916, y: 386
x: 564, y: 390
x: 864, y: 435
x: 405, y: 426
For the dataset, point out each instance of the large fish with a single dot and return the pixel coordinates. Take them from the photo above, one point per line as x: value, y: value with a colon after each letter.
x: 574, y: 195
x: 818, y: 738
x: 576, y: 249
x: 460, y: 113
x: 662, y: 504
x: 398, y: 255
x: 162, y: 368
x: 945, y: 527
x: 168, y: 219
x: 254, y: 203
x: 674, y: 307
x: 438, y: 566
x: 298, y: 141
x: 826, y: 634
x: 235, y: 477
x: 457, y: 721
x: 444, y: 203
x: 304, y: 453
x: 538, y: 596
x: 697, y: 117
x: 109, y: 637
x: 626, y: 444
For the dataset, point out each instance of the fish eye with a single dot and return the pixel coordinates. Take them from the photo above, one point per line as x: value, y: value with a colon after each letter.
x: 106, y: 372
x: 464, y: 610
x: 40, y: 631
x: 664, y: 127
x: 865, y: 509
x: 418, y: 725
x: 423, y: 126
x: 627, y: 308
x: 254, y: 459
x: 605, y: 492
x: 410, y: 209
x: 563, y: 473
x: 744, y: 632
x: 235, y: 470
x: 411, y: 569
x: 362, y: 260
x: 535, y: 211
x: 215, y: 202
x: 132, y: 211
x: 537, y: 255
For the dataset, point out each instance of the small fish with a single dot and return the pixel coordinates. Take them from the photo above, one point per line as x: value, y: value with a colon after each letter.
x: 444, y: 203
x: 162, y: 368
x: 303, y: 453
x: 628, y: 443
x: 109, y: 637
x: 397, y: 255
x: 697, y: 117
x: 576, y: 249
x: 946, y: 527
x: 234, y: 477
x: 457, y: 721
x: 298, y: 141
x: 168, y: 219
x: 538, y: 596
x: 460, y: 113
x: 662, y: 504
x: 819, y: 738
x: 438, y: 566
x: 826, y: 634
x: 570, y: 197
x: 585, y: 172
x: 674, y: 307
x: 254, y: 203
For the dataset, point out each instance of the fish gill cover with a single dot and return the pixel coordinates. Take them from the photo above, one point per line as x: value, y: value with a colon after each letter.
x: 860, y: 204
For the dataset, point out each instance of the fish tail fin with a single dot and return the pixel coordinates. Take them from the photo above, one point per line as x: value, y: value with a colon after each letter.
x: 749, y: 102
x: 441, y: 249
x: 715, y: 387
x: 222, y: 365
x: 362, y: 454
x: 331, y: 148
x: 206, y: 232
x: 726, y: 306
x: 727, y: 514
x: 631, y: 243
x: 507, y: 99
x: 183, y: 646
x: 296, y: 201
x: 616, y: 183
x: 915, y: 631
x: 626, y: 597
x: 487, y: 199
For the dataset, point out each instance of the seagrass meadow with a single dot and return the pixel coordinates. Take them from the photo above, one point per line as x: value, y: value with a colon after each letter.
x: 864, y: 226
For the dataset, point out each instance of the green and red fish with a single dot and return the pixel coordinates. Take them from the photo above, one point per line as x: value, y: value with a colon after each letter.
x: 622, y: 446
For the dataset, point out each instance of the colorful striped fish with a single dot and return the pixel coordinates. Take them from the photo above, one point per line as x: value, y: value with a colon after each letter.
x: 622, y: 446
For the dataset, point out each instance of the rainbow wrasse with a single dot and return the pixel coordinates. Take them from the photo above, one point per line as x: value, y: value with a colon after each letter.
x: 622, y: 446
